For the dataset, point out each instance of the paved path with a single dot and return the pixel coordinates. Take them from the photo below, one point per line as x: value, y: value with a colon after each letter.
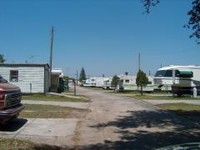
x: 113, y: 122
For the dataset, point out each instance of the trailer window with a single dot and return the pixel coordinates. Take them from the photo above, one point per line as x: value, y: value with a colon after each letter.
x: 166, y: 73
x: 160, y: 73
x: 13, y: 75
x: 126, y: 81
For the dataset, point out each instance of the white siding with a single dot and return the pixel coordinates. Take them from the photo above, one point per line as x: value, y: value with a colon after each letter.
x: 30, y: 78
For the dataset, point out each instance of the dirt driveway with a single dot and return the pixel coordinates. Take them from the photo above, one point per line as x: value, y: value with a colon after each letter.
x: 113, y: 122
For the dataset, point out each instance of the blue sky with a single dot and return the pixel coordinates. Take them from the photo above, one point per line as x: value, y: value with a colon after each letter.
x: 103, y: 36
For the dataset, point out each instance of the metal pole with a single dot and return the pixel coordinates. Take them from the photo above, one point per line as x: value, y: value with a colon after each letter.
x: 77, y: 77
x: 138, y: 61
x: 74, y: 87
x: 51, y: 54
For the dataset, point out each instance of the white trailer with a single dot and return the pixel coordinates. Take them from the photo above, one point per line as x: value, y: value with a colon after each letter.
x: 91, y: 82
x: 101, y: 82
x: 107, y: 83
x: 129, y: 83
x: 178, y: 79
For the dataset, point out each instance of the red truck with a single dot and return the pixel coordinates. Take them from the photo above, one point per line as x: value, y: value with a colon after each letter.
x: 10, y: 101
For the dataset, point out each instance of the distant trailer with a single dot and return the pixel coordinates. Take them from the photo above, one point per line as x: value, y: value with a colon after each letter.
x: 128, y: 83
x: 178, y: 79
x: 91, y: 82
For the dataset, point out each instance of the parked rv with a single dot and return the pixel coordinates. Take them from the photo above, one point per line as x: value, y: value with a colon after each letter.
x: 91, y: 82
x: 107, y: 83
x: 128, y: 82
x: 178, y: 79
x: 10, y: 101
x: 101, y: 82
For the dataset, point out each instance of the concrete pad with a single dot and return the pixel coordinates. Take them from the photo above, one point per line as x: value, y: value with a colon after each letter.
x: 50, y: 127
x: 46, y: 131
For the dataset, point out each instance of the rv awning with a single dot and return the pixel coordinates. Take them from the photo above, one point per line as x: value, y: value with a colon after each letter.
x: 188, y: 74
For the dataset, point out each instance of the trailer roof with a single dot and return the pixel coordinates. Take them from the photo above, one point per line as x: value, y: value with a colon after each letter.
x: 178, y: 67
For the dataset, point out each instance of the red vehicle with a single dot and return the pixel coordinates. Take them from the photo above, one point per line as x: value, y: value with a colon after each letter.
x: 10, y: 101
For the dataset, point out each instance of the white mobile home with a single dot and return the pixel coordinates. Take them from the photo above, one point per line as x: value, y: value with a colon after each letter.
x: 103, y: 82
x: 91, y: 82
x: 107, y: 83
x: 31, y: 78
x: 183, y: 77
x: 129, y: 83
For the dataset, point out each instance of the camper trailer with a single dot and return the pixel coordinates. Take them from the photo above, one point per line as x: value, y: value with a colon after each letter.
x: 101, y: 82
x: 178, y: 79
x: 91, y: 82
x: 129, y: 83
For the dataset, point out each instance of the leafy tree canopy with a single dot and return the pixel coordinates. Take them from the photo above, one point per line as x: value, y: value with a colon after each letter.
x: 193, y: 13
x: 141, y: 80
x: 115, y: 81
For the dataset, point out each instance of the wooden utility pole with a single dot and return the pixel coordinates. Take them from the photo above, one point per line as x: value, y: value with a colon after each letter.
x: 138, y: 61
x: 51, y: 48
x: 51, y: 54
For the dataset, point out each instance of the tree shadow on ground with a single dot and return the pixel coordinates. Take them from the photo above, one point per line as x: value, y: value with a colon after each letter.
x: 183, y: 130
x: 14, y: 125
x: 137, y: 132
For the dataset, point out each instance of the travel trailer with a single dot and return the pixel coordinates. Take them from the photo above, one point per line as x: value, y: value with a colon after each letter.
x: 102, y: 82
x: 178, y: 79
x: 91, y: 82
x: 128, y: 82
x: 107, y: 83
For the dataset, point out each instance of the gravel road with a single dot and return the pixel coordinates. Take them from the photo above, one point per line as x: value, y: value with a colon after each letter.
x: 119, y: 122
x: 114, y: 122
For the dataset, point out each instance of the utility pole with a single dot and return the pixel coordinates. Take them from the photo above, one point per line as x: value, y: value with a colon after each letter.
x: 138, y: 61
x: 51, y: 54
x: 77, y: 77
x: 75, y: 82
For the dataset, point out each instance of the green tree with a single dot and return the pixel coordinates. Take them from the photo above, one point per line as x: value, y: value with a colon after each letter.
x: 82, y: 75
x: 2, y: 60
x: 193, y: 13
x: 141, y: 80
x: 115, y: 81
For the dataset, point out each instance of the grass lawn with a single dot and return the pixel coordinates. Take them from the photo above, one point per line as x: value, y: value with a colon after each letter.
x: 161, y: 97
x: 186, y: 110
x: 13, y: 144
x: 180, y: 106
x: 49, y: 97
x: 49, y: 111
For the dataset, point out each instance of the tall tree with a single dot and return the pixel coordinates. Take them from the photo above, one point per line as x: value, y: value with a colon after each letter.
x: 193, y: 13
x: 141, y: 80
x: 82, y: 75
x: 2, y: 60
x: 115, y: 81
